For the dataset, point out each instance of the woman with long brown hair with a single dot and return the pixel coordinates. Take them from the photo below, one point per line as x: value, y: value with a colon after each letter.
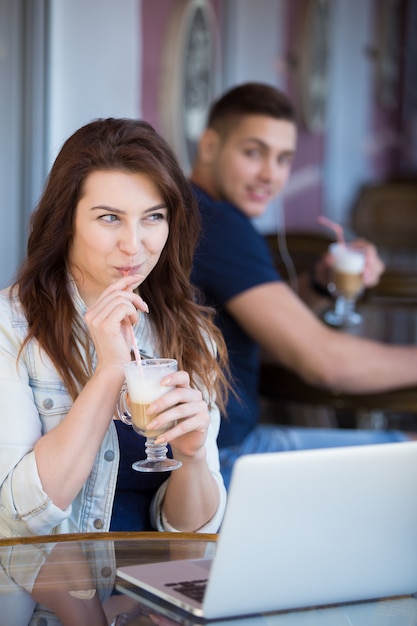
x: 117, y: 217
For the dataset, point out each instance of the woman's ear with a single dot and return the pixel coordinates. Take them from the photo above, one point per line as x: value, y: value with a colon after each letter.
x: 208, y: 145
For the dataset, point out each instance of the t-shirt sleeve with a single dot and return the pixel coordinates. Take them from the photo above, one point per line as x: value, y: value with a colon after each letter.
x: 231, y: 256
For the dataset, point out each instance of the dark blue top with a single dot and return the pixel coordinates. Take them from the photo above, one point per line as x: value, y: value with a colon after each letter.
x: 232, y: 257
x: 134, y: 490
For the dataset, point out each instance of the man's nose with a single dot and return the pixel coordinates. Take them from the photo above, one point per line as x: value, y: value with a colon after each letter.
x: 269, y: 170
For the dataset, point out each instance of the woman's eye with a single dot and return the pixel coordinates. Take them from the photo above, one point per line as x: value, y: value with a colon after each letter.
x: 156, y: 217
x: 109, y: 217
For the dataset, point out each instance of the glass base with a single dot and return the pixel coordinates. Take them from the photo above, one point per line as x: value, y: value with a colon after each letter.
x: 156, y: 466
x: 335, y: 319
x: 156, y: 458
x: 344, y: 313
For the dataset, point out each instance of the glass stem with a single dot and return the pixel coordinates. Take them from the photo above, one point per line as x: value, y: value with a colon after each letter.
x: 155, y: 452
x: 344, y: 307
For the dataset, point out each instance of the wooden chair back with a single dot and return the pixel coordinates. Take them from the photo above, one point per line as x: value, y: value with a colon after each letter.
x: 386, y: 215
x: 304, y: 248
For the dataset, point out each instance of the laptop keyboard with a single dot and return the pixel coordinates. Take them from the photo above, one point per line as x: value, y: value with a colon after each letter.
x: 193, y: 589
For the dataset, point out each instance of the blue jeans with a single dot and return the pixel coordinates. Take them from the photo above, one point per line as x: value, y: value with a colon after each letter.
x: 270, y: 438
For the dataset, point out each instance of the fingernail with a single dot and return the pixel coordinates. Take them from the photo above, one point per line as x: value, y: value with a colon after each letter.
x: 145, y: 305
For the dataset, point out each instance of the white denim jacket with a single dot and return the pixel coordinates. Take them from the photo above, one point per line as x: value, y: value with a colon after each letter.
x: 33, y: 400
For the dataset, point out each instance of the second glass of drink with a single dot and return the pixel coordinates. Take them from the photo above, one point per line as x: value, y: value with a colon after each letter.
x: 348, y: 264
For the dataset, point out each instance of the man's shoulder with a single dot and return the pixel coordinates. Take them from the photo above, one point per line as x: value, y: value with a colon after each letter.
x: 221, y: 213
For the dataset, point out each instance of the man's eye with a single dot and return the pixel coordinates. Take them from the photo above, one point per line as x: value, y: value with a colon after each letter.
x: 285, y: 159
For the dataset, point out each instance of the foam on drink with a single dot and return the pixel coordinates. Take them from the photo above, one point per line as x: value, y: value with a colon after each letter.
x: 348, y: 265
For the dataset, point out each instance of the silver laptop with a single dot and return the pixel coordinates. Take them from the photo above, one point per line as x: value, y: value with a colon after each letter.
x: 303, y: 529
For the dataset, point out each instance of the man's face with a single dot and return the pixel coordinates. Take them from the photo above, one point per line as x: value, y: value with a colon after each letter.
x: 252, y: 163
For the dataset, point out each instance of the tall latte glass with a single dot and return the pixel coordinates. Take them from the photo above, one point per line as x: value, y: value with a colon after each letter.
x: 143, y: 386
x: 348, y: 264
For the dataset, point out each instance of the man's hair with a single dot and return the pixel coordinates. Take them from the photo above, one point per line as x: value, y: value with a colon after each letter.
x: 249, y: 99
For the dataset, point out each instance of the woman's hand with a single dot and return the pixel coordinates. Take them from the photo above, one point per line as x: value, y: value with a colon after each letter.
x: 186, y: 406
x: 108, y: 321
x: 109, y: 318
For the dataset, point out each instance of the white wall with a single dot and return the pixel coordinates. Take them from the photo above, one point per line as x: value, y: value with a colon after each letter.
x: 94, y: 64
x: 11, y: 128
x: 348, y: 108
x: 254, y: 57
x: 252, y: 50
x: 251, y: 41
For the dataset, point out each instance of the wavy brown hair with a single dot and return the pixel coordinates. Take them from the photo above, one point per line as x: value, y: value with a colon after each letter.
x: 182, y: 325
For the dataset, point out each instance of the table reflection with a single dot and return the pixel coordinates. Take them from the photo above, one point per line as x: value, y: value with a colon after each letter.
x: 73, y: 583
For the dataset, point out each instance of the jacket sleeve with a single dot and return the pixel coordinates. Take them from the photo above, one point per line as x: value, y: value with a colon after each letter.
x: 25, y: 509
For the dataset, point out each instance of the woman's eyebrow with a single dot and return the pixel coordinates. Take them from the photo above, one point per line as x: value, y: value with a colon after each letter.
x: 103, y: 207
x: 110, y: 209
x: 156, y: 207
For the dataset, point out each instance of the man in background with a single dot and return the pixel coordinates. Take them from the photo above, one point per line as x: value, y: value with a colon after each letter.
x: 243, y: 162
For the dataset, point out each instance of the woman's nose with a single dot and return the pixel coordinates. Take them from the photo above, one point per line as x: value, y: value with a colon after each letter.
x: 130, y: 241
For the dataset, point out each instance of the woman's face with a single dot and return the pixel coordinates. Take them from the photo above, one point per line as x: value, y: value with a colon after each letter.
x: 120, y: 227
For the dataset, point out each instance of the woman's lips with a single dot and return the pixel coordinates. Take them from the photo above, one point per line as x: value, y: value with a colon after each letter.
x: 129, y: 271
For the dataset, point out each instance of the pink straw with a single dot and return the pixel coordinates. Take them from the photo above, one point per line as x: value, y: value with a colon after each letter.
x: 134, y: 345
x: 133, y: 339
x: 333, y: 226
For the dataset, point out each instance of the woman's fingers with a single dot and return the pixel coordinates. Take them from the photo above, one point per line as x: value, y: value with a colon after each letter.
x: 114, y: 309
x: 183, y: 406
x: 109, y: 297
x: 110, y: 318
x: 116, y: 303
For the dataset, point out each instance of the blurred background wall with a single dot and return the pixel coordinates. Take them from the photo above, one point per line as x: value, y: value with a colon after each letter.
x: 349, y: 65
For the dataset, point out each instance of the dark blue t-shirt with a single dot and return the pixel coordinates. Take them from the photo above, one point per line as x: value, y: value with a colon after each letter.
x: 232, y: 257
x: 134, y: 490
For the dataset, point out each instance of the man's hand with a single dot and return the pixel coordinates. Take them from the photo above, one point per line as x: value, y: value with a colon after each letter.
x: 374, y: 266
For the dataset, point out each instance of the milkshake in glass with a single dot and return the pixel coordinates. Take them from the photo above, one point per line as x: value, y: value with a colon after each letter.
x: 348, y: 264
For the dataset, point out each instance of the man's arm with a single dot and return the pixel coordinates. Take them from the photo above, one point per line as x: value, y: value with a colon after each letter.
x: 280, y: 322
